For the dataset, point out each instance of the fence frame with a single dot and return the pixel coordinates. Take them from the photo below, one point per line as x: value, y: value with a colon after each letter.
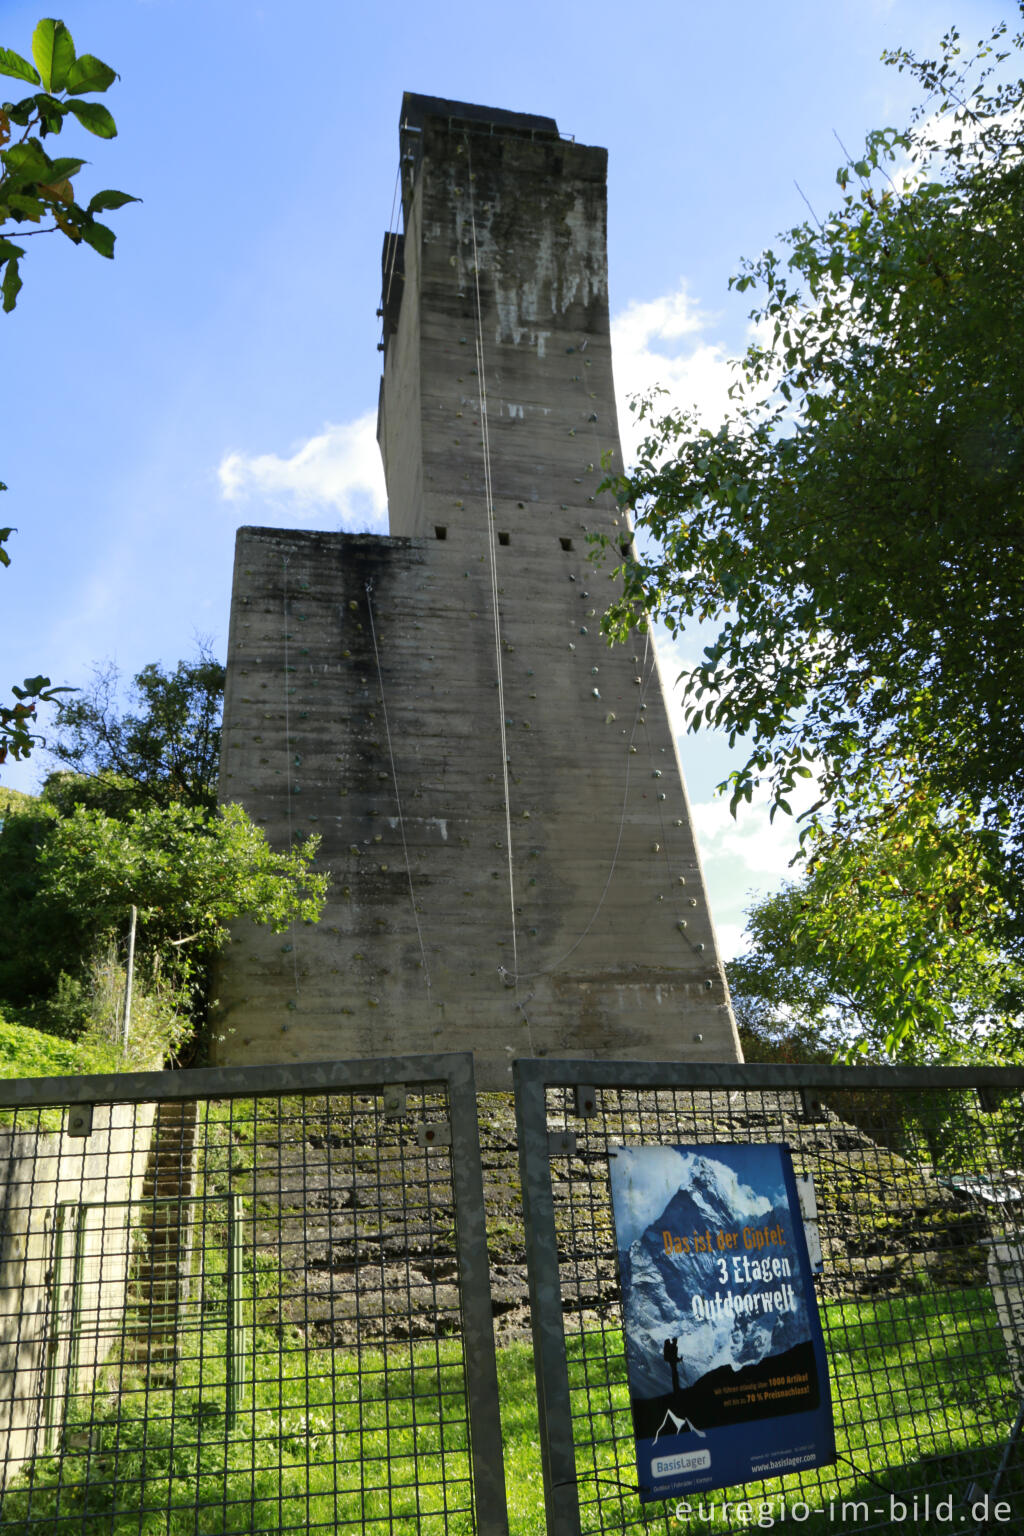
x: 531, y: 1080
x: 450, y: 1070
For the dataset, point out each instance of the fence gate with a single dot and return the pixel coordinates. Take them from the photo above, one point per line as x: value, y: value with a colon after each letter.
x: 247, y: 1300
x: 918, y: 1176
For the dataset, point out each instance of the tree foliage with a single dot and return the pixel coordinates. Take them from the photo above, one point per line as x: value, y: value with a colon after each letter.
x: 137, y: 826
x: 164, y: 750
x: 35, y: 189
x: 890, y: 945
x: 68, y: 882
x: 855, y: 527
x: 190, y: 873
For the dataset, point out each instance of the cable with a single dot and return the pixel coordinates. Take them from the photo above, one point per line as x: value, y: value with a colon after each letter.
x: 394, y: 780
x: 493, y: 562
x: 288, y: 751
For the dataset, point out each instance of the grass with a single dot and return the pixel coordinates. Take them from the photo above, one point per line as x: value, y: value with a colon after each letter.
x: 376, y: 1440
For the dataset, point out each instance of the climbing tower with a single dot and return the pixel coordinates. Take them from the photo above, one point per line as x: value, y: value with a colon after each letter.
x: 497, y: 791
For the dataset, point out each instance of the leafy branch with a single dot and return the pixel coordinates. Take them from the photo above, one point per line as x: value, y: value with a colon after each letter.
x: 34, y: 189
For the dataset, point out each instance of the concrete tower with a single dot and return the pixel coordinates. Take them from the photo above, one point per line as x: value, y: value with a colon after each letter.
x: 498, y: 792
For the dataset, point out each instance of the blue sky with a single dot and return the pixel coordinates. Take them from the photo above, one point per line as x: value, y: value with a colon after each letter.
x: 223, y: 368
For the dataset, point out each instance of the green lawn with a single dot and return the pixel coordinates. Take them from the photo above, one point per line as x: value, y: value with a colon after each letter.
x: 376, y: 1440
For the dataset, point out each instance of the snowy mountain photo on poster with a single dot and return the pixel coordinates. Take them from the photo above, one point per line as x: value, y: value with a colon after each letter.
x: 725, y: 1356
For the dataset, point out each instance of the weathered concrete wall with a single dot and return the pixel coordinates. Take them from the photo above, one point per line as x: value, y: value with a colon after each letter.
x: 600, y: 940
x: 52, y: 1343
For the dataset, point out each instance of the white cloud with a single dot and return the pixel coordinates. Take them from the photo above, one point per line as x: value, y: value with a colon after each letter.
x: 663, y: 342
x: 334, y: 477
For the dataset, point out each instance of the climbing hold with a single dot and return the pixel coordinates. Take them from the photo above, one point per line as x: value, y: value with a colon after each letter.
x: 583, y: 629
x: 655, y: 773
x: 655, y: 847
x: 595, y: 693
x: 661, y: 796
x: 594, y: 671
x: 609, y: 718
x: 681, y: 923
x: 693, y: 901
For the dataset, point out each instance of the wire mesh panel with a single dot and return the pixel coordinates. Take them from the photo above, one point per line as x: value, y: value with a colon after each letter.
x: 268, y: 1311
x: 919, y: 1192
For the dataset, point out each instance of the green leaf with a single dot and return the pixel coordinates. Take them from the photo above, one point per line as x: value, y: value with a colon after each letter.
x: 99, y: 237
x: 89, y: 74
x: 13, y: 64
x: 64, y: 167
x: 10, y: 286
x: 105, y: 200
x: 54, y: 53
x: 94, y: 116
x: 28, y: 161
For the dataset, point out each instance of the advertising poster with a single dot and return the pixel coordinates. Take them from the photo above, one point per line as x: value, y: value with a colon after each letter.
x: 728, y: 1380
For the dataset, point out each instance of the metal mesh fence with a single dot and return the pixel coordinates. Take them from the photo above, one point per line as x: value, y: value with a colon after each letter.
x: 261, y: 1311
x: 920, y: 1203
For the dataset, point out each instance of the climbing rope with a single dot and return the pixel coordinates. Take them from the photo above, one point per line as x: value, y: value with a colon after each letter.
x: 493, y: 571
x: 394, y: 780
x: 288, y: 751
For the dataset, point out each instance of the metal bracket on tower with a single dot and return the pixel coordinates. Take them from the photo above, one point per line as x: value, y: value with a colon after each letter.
x: 586, y: 1101
x: 437, y: 1134
x: 395, y: 1101
x: 79, y: 1120
x: 561, y: 1143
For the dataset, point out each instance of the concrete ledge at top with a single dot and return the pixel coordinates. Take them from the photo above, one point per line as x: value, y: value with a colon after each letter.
x: 333, y: 536
x: 416, y: 109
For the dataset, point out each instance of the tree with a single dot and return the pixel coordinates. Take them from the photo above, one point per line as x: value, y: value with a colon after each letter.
x: 190, y: 873
x: 855, y: 527
x: 889, y: 946
x: 165, y: 750
x: 35, y: 188
x: 67, y: 883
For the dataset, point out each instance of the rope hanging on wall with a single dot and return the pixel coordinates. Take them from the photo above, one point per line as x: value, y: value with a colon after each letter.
x: 493, y: 572
x: 394, y: 780
x: 288, y: 754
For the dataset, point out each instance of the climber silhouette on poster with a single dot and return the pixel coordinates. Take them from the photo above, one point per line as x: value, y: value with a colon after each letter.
x: 725, y: 1357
